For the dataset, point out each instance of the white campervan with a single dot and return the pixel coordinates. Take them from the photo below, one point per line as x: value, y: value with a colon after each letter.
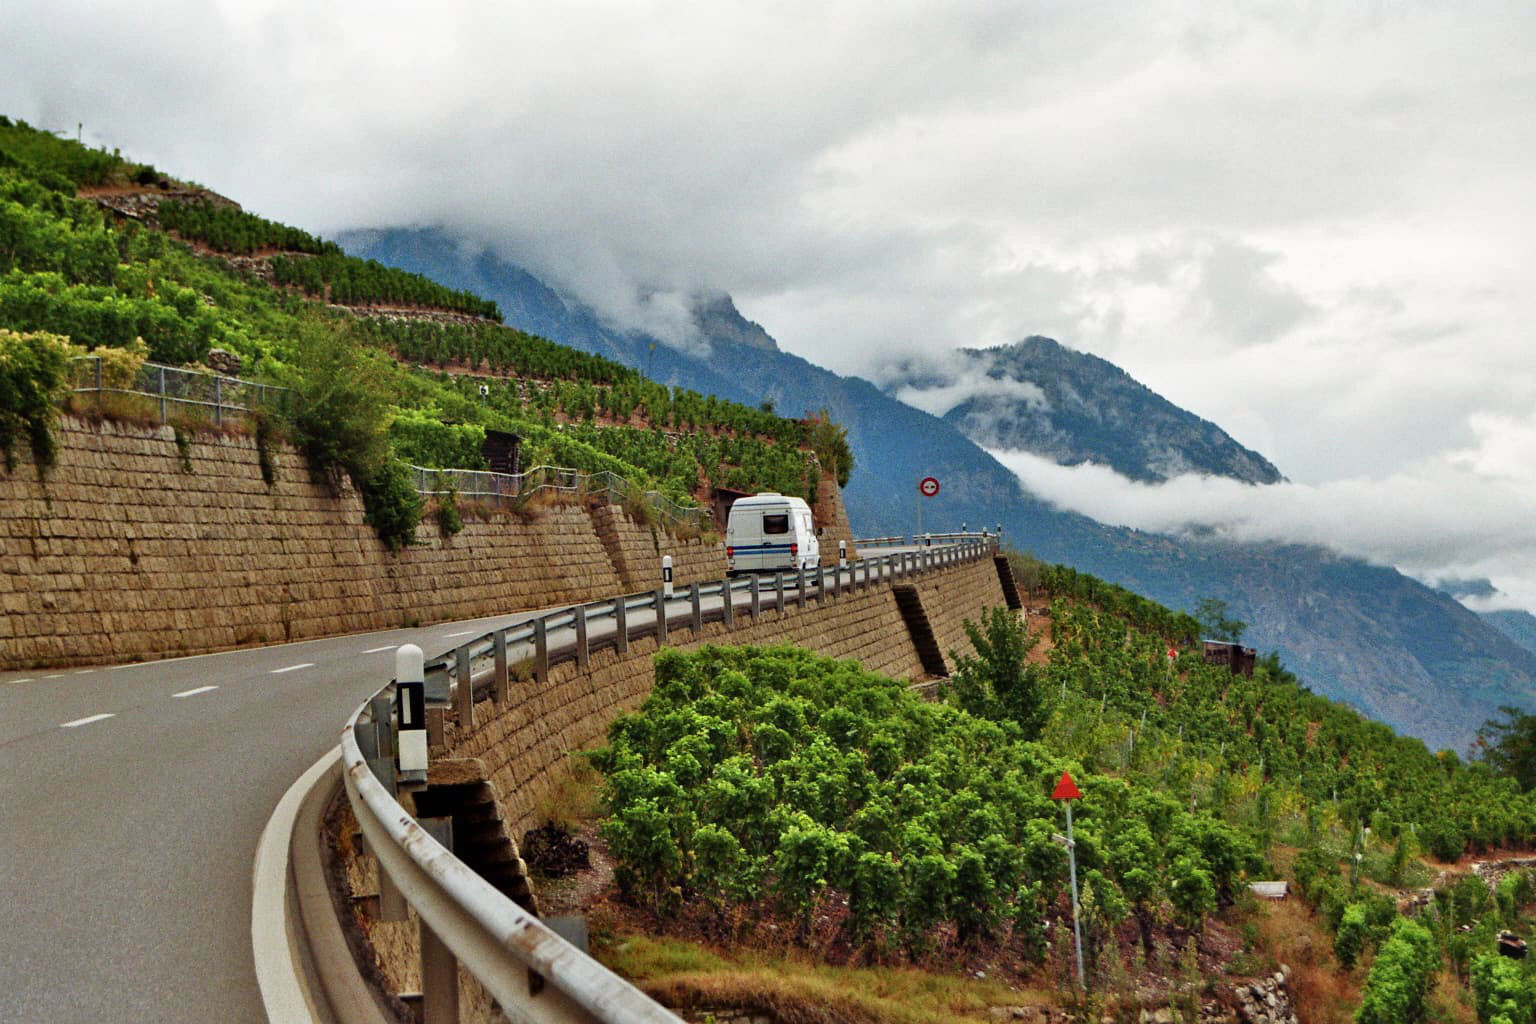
x: 770, y: 533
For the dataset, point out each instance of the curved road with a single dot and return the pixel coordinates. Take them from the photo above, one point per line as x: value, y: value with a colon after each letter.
x: 131, y: 802
x: 132, y: 799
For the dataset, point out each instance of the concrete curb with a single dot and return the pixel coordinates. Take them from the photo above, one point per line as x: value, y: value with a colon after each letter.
x: 304, y: 965
x: 276, y: 942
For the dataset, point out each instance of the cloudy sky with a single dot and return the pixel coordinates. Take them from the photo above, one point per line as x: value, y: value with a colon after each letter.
x: 1312, y: 223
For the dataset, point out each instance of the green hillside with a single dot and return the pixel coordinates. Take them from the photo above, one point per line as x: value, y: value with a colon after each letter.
x: 765, y: 795
x: 102, y: 255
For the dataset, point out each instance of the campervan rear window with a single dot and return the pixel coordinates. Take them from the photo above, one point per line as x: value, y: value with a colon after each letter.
x: 777, y: 523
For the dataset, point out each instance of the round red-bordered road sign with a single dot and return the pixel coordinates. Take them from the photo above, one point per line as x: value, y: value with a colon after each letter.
x: 928, y: 487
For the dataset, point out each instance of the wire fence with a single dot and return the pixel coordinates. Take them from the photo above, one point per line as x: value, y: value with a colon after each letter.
x: 197, y: 394
x: 163, y: 390
x: 515, y: 489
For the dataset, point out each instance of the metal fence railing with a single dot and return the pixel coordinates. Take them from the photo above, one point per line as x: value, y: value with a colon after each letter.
x: 512, y: 489
x: 469, y: 921
x: 200, y: 394
x: 196, y: 393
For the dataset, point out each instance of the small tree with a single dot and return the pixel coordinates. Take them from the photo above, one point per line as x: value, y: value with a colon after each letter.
x: 997, y: 683
x: 1509, y: 746
x: 1212, y: 615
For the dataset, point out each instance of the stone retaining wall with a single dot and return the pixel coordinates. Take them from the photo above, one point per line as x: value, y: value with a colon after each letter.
x: 138, y: 546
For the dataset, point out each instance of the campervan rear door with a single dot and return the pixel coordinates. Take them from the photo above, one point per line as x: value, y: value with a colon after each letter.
x: 764, y: 538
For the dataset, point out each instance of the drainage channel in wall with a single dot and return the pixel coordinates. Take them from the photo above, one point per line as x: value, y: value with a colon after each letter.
x: 920, y: 630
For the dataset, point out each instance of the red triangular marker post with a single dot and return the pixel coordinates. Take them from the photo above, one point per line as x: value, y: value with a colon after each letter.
x: 1066, y: 789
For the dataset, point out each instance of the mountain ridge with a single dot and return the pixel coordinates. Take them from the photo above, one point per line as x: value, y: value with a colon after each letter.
x: 1078, y: 408
x: 1365, y: 634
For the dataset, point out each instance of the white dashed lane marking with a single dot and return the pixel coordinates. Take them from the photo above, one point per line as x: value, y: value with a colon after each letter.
x: 193, y: 693
x: 376, y: 650
x: 293, y: 668
x: 85, y: 721
x: 450, y: 636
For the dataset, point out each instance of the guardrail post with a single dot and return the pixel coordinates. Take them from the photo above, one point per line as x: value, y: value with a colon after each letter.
x: 98, y: 378
x: 696, y: 608
x: 218, y: 400
x: 583, y: 652
x: 755, y: 609
x: 778, y: 593
x: 821, y: 587
x: 727, y: 604
x: 439, y: 967
x: 837, y: 581
x: 464, y: 696
x: 800, y: 586
x: 661, y: 617
x: 163, y: 416
x: 502, y: 682
x: 666, y: 574
x: 620, y: 625
x: 540, y: 650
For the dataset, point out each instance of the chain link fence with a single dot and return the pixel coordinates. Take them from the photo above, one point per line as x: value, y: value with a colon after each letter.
x: 167, y: 390
x: 197, y: 394
x: 514, y: 489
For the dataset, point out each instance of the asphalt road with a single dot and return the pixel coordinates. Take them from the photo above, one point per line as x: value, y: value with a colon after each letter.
x: 131, y: 802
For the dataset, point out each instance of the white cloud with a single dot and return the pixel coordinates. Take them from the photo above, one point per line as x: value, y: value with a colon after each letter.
x: 1434, y: 520
x: 1308, y: 223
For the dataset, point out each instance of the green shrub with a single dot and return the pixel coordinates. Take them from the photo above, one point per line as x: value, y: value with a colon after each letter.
x: 1501, y: 991
x: 1397, y: 987
x: 34, y: 378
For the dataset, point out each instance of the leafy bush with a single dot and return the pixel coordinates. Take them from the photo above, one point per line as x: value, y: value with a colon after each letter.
x: 340, y: 425
x: 34, y: 377
x: 1501, y: 991
x: 1398, y: 984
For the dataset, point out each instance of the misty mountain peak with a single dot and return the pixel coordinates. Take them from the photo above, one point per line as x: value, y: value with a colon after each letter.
x: 1038, y: 395
x: 718, y: 319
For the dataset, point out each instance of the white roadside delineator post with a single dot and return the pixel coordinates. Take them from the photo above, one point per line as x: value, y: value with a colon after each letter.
x: 411, y: 714
x: 666, y: 575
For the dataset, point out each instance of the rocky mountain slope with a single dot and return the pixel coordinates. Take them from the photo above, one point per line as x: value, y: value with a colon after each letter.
x: 1039, y: 396
x: 1368, y: 635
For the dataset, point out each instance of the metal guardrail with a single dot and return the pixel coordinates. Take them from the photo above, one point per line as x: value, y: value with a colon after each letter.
x: 202, y: 392
x: 464, y: 917
x: 929, y: 539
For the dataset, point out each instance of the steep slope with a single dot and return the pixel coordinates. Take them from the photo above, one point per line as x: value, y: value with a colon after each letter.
x: 1355, y: 632
x: 1519, y: 626
x: 1039, y: 396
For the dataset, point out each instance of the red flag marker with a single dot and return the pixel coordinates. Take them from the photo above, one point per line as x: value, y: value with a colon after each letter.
x: 1173, y: 653
x: 1066, y: 789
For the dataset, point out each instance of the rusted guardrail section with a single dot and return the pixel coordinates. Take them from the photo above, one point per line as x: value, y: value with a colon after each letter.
x: 463, y: 918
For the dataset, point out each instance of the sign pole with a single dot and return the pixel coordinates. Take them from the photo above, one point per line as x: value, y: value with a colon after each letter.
x: 1066, y: 791
x: 1077, y: 927
x: 927, y: 487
